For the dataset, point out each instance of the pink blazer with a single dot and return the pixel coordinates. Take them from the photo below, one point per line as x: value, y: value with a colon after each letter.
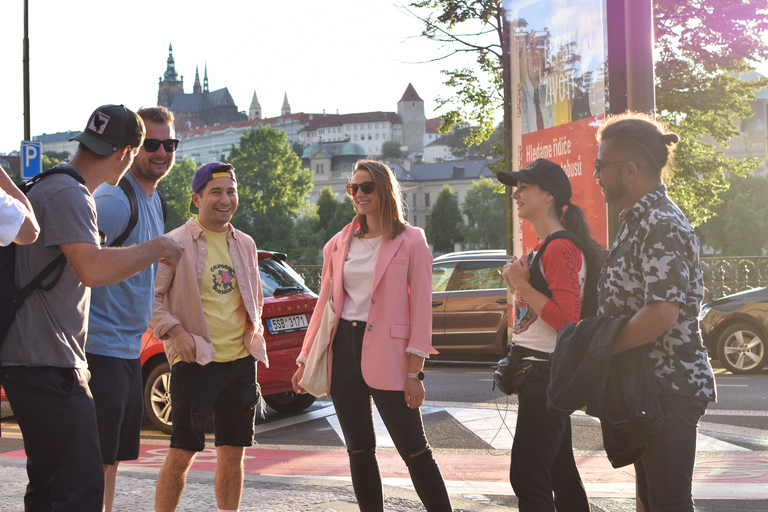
x: 400, y: 314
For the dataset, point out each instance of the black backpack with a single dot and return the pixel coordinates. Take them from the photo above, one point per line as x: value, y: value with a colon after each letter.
x: 589, y: 301
x: 11, y: 298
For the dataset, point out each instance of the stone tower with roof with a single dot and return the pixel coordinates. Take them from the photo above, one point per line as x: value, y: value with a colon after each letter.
x: 255, y: 111
x: 286, y: 109
x: 170, y: 83
x: 410, y: 108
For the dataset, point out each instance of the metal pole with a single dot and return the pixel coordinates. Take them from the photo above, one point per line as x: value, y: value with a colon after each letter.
x: 27, y: 130
x: 638, y: 23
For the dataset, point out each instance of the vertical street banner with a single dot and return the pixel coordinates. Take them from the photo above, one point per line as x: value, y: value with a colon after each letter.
x: 559, y: 89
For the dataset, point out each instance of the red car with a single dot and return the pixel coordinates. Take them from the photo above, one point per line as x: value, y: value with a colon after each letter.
x: 288, y: 306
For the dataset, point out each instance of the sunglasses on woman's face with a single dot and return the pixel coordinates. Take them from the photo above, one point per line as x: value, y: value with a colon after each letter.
x: 367, y: 187
x: 152, y: 145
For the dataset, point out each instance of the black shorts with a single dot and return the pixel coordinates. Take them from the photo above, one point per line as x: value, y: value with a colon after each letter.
x: 226, y: 391
x: 117, y: 394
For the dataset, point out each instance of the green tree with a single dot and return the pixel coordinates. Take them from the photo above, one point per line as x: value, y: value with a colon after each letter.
x: 740, y: 222
x: 704, y: 46
x: 54, y: 158
x: 177, y: 189
x: 308, y: 238
x: 345, y: 212
x: 457, y: 139
x: 326, y: 206
x: 445, y: 221
x: 390, y: 150
x: 298, y: 148
x: 272, y: 187
x: 484, y: 209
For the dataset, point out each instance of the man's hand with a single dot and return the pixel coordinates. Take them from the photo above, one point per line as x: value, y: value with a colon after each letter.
x: 172, y: 249
x: 183, y: 343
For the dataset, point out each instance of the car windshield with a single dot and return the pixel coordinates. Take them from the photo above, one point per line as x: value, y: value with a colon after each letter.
x: 278, y: 279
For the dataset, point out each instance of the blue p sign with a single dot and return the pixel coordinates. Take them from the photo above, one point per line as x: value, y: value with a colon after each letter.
x: 31, y: 159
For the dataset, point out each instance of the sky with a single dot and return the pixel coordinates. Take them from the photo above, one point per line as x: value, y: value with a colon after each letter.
x: 333, y: 55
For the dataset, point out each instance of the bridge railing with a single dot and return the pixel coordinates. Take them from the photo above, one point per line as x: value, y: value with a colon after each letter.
x: 722, y: 276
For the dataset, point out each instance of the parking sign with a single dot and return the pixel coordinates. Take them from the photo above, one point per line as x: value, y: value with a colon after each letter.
x: 31, y: 159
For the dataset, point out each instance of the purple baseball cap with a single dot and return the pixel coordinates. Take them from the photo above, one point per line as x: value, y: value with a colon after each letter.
x: 210, y: 171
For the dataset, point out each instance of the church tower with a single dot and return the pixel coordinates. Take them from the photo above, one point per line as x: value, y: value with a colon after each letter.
x: 197, y: 88
x: 205, y: 79
x: 255, y: 111
x: 170, y: 83
x: 286, y: 107
x: 410, y: 108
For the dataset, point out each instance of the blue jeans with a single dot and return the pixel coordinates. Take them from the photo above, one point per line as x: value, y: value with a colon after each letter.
x: 57, y: 419
x: 352, y: 400
x: 543, y: 471
x: 665, y: 471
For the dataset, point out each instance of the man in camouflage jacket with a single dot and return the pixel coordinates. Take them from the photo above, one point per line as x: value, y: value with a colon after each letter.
x: 652, y: 275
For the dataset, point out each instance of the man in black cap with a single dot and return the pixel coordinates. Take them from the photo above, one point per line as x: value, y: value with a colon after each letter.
x: 44, y: 369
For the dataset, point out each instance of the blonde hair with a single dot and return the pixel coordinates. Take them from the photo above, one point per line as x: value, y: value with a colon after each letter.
x: 390, y: 205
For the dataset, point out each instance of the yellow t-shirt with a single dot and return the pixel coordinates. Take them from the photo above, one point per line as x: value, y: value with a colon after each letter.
x: 223, y: 305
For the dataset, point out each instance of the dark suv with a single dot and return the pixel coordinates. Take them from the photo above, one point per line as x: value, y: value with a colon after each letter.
x: 469, y: 305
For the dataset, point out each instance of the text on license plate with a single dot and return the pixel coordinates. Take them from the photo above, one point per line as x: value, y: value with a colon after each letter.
x: 287, y: 323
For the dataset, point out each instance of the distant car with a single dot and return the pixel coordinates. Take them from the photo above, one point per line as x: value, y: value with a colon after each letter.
x: 469, y: 305
x: 735, y: 330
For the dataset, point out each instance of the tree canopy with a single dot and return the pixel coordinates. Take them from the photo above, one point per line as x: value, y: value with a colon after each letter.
x: 177, y: 189
x: 445, y: 221
x: 702, y: 47
x: 485, y: 212
x: 740, y: 222
x: 272, y: 187
x: 390, y: 150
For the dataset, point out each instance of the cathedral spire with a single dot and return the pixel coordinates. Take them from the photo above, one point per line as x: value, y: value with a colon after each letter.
x: 205, y: 79
x: 197, y: 88
x: 255, y: 111
x: 286, y: 106
x: 170, y: 70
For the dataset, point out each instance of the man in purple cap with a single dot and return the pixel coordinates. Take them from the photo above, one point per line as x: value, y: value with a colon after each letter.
x: 208, y: 314
x: 44, y: 368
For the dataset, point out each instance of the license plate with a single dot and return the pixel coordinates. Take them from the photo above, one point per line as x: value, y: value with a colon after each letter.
x: 287, y: 323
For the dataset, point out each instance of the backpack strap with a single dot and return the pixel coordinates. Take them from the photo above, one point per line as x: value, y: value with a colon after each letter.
x: 133, y: 218
x: 60, y: 261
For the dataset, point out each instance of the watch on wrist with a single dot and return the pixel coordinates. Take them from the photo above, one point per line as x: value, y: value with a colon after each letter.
x: 416, y: 375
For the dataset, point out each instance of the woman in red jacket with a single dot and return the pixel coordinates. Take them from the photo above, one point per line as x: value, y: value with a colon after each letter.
x: 380, y: 269
x: 548, y: 289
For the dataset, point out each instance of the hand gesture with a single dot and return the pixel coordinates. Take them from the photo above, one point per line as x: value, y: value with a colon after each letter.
x: 171, y: 248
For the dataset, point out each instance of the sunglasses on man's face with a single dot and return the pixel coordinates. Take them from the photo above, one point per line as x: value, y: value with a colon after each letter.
x: 152, y: 145
x: 367, y: 187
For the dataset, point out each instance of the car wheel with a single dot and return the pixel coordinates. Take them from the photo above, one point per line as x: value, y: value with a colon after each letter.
x: 740, y: 349
x: 157, y: 397
x: 289, y: 401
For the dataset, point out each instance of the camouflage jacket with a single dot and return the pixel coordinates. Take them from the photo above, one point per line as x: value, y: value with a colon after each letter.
x: 655, y: 257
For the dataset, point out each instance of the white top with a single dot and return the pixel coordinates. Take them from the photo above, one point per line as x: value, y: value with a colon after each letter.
x: 358, y: 277
x: 12, y: 215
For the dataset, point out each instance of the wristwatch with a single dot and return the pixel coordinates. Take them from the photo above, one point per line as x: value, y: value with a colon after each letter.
x: 416, y: 375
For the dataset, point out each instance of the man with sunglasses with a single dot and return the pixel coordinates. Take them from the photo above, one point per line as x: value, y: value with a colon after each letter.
x: 120, y: 313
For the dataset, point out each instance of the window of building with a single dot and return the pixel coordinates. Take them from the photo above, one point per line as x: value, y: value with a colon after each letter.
x: 377, y: 126
x: 370, y: 136
x: 426, y: 220
x: 377, y: 136
x: 414, y: 200
x: 319, y: 168
x: 416, y: 220
x: 370, y: 126
x: 355, y: 137
x: 426, y: 200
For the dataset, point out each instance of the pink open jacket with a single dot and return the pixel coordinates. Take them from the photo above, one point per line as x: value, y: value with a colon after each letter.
x: 400, y: 315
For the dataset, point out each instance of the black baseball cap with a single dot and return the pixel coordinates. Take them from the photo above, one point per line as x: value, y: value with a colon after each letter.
x: 548, y: 175
x: 110, y: 128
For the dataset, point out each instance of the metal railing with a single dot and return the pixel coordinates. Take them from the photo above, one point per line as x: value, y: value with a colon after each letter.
x: 722, y: 276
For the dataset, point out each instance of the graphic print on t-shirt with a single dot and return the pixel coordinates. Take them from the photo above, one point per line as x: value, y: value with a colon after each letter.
x: 524, y: 316
x: 223, y: 277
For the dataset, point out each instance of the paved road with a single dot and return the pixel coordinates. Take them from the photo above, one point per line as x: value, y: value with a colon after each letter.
x: 299, y: 461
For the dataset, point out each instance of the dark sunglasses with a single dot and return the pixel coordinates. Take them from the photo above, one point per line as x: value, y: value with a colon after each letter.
x: 367, y: 187
x: 599, y: 166
x: 152, y: 145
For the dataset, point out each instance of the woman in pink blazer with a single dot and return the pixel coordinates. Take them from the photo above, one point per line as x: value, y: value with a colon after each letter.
x: 381, y: 270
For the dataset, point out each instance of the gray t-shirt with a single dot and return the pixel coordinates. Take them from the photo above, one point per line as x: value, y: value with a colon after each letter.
x: 50, y: 328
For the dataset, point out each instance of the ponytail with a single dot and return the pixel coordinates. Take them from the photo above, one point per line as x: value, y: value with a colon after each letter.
x: 573, y: 220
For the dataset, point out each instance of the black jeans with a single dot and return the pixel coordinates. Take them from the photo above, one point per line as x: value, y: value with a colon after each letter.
x: 543, y: 472
x: 352, y: 399
x: 57, y: 419
x: 665, y: 471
